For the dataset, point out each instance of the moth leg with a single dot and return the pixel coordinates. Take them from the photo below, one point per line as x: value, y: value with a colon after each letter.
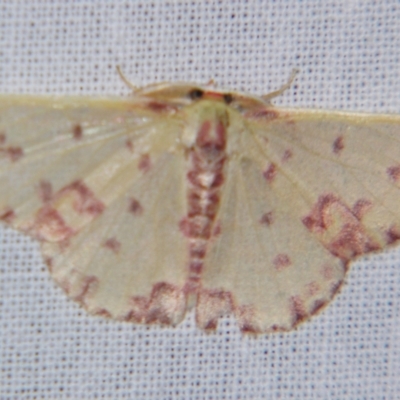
x: 267, y: 97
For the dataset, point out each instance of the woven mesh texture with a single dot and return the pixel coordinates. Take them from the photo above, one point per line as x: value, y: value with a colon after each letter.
x: 348, y: 53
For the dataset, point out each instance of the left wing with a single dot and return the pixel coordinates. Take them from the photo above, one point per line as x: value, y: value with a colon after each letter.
x: 307, y: 193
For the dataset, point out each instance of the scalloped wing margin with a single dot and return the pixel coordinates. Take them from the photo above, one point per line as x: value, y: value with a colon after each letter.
x: 308, y: 193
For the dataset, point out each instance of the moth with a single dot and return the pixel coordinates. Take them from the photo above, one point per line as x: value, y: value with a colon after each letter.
x: 184, y: 196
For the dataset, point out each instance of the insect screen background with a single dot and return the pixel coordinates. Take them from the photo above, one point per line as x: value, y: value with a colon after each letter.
x: 348, y: 54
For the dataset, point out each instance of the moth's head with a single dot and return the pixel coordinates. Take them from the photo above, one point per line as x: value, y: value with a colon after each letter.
x: 179, y: 95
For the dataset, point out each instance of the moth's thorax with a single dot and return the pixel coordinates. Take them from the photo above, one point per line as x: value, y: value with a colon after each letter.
x: 204, y: 123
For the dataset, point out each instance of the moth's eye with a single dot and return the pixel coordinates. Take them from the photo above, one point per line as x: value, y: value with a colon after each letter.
x: 196, y: 94
x: 228, y: 98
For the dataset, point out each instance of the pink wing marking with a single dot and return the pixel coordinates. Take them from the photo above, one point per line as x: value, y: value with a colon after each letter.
x: 102, y: 312
x: 317, y: 306
x: 8, y: 215
x: 270, y: 173
x: 287, y: 155
x: 135, y: 207
x: 246, y: 317
x: 80, y: 287
x: 281, y: 261
x: 62, y: 246
x: 83, y: 199
x: 144, y: 163
x: 392, y: 235
x: 338, y: 229
x: 299, y: 313
x: 45, y: 191
x: 14, y: 153
x: 361, y: 207
x: 297, y: 310
x: 211, y: 305
x: 129, y: 145
x: 112, y: 244
x: 164, y: 304
x: 49, y: 262
x: 335, y: 287
x: 89, y: 286
x: 77, y: 132
x: 49, y: 225
x: 327, y: 272
x: 338, y: 145
x: 394, y: 173
x: 267, y: 218
x: 312, y: 288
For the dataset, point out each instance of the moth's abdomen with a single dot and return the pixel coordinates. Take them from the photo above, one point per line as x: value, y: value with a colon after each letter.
x: 205, y: 178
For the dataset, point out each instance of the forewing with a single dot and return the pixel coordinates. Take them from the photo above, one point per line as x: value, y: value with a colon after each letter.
x: 307, y: 193
x: 63, y: 160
